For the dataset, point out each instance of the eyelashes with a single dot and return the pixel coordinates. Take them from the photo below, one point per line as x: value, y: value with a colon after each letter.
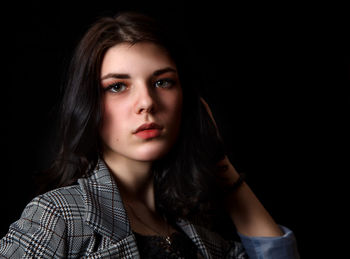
x: 118, y: 87
x: 165, y: 83
x: 115, y: 87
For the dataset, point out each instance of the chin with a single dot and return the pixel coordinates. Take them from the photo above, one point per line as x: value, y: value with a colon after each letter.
x: 151, y: 153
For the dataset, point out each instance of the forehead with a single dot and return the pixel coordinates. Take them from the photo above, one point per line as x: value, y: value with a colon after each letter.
x: 137, y: 58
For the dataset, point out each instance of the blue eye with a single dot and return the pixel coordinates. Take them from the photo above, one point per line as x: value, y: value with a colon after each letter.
x: 116, y: 87
x: 164, y: 83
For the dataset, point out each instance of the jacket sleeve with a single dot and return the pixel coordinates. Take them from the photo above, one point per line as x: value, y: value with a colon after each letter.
x: 39, y: 233
x: 283, y: 247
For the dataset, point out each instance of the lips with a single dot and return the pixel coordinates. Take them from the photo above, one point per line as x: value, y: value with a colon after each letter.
x: 148, y: 126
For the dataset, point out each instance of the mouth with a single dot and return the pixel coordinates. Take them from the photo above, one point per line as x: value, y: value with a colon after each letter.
x: 148, y: 126
x: 149, y: 130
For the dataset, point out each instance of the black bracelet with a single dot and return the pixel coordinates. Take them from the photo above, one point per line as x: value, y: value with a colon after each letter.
x: 236, y: 184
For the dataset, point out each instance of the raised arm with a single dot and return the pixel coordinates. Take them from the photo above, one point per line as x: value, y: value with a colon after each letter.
x: 261, y: 236
x: 248, y: 214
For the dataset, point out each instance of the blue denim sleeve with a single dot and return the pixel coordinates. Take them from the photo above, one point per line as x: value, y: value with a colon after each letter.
x: 271, y: 247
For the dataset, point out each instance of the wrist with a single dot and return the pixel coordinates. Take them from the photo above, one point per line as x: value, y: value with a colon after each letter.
x: 240, y: 178
x: 226, y: 173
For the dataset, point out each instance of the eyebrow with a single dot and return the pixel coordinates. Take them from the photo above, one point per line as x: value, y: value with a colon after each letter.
x: 127, y: 76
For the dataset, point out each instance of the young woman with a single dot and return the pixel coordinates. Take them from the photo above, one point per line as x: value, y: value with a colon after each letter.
x: 141, y: 170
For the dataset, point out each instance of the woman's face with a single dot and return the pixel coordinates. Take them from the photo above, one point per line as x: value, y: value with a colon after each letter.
x: 140, y: 86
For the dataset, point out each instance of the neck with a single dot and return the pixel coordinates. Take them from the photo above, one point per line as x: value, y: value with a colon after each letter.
x: 134, y: 179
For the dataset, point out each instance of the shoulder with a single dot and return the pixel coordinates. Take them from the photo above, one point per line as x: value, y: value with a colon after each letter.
x: 65, y: 203
x: 60, y: 207
x: 48, y: 225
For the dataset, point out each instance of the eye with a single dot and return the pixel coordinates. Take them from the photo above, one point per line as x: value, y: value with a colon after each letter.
x: 164, y: 83
x: 116, y: 87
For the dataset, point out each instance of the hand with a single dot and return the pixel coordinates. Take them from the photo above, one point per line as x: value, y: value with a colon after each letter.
x: 228, y: 174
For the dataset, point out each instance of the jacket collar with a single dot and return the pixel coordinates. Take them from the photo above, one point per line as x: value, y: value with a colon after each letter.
x: 105, y: 211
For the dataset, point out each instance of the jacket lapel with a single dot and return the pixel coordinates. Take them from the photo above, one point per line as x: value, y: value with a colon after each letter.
x: 192, y: 233
x: 105, y: 210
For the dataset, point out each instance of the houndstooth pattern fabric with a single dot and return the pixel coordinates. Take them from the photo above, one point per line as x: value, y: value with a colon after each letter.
x: 89, y: 220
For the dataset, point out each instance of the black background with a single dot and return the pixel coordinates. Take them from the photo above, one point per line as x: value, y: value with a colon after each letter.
x: 276, y: 77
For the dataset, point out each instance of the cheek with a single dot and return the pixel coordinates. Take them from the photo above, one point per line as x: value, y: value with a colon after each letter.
x: 111, y: 123
x: 175, y: 104
x: 174, y: 110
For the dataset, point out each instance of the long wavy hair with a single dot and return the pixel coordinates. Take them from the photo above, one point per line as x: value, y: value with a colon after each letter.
x: 184, y: 179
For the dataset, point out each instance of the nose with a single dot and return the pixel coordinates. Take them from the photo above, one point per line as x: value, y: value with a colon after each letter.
x: 145, y: 99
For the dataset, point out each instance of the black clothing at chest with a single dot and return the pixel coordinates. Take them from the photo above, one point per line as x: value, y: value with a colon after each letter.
x: 157, y: 247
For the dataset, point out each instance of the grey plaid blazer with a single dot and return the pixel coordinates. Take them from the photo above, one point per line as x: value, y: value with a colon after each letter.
x: 88, y: 220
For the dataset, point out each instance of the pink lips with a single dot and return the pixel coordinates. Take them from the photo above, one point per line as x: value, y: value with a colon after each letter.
x: 148, y: 130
